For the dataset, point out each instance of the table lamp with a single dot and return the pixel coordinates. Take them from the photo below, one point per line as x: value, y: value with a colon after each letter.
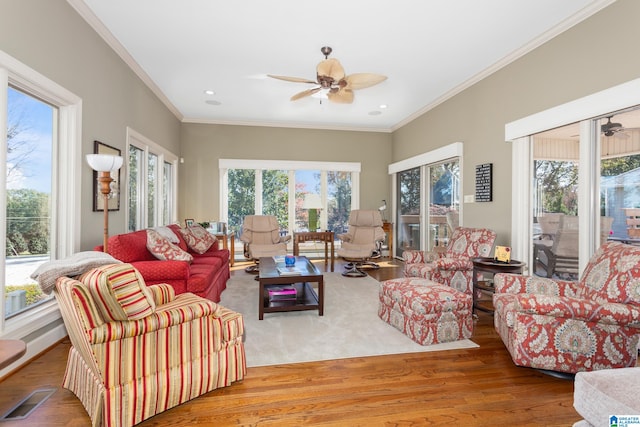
x: 313, y: 204
x: 104, y: 164
x: 383, y: 208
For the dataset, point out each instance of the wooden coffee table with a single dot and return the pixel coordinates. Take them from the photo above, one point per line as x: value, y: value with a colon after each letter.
x: 306, y: 297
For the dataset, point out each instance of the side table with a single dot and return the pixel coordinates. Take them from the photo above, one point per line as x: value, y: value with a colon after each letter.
x: 10, y: 351
x: 489, y: 265
x: 387, y: 227
x: 315, y: 236
x: 232, y: 248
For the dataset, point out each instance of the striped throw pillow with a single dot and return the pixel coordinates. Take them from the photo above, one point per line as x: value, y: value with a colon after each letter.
x: 119, y: 292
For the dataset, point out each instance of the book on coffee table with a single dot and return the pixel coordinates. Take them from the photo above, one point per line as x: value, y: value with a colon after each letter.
x: 289, y: 271
x: 282, y: 294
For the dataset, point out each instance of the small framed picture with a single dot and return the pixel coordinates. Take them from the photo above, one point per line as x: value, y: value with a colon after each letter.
x: 189, y: 222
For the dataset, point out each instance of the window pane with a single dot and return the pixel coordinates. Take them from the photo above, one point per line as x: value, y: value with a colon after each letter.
x: 444, y: 198
x: 242, y: 196
x: 307, y: 183
x: 620, y: 178
x: 338, y: 201
x: 28, y: 192
x: 167, y: 190
x: 152, y: 177
x: 408, y: 210
x: 275, y: 195
x: 135, y: 187
x: 555, y: 204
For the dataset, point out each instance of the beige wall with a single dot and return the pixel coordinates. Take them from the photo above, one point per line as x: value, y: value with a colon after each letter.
x: 50, y: 37
x: 203, y: 145
x: 594, y: 55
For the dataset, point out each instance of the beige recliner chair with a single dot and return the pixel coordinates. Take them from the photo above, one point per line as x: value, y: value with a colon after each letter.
x: 362, y: 241
x: 261, y: 238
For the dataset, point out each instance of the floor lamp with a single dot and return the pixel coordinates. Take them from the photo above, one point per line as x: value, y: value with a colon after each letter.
x: 104, y: 164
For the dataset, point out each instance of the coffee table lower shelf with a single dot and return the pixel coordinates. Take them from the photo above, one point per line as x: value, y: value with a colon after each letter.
x: 307, y: 299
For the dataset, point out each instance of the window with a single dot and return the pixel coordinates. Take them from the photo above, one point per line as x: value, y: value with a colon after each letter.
x: 255, y: 187
x: 40, y: 185
x: 28, y: 197
x: 151, y: 183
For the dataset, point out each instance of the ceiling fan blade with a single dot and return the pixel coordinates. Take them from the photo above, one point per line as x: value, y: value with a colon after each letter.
x: 363, y: 80
x: 292, y: 79
x: 330, y: 68
x: 304, y: 93
x: 342, y: 96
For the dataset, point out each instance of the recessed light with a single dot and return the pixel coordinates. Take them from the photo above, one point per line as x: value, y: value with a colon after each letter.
x: 383, y: 106
x: 212, y: 102
x: 209, y: 92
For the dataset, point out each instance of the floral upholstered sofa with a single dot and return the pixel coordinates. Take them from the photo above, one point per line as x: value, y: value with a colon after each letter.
x: 453, y: 267
x: 570, y: 327
x: 186, y: 258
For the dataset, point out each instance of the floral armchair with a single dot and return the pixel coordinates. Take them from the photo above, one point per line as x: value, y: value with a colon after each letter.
x: 453, y: 267
x: 573, y: 326
x: 139, y: 350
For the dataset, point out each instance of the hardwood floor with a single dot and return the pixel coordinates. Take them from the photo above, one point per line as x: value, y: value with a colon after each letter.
x: 472, y: 387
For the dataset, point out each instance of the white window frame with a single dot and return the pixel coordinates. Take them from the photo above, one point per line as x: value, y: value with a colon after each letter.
x: 164, y: 156
x: 43, y: 323
x: 288, y: 165
x: 583, y: 111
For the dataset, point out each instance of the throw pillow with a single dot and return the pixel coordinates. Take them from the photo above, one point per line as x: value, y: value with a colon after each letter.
x: 163, y: 249
x: 167, y: 233
x: 119, y: 292
x: 198, y: 239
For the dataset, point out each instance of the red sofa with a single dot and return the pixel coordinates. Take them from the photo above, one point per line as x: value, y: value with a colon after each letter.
x: 205, y: 276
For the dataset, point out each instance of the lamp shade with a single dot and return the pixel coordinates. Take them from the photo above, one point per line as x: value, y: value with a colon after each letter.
x: 312, y: 201
x: 104, y: 162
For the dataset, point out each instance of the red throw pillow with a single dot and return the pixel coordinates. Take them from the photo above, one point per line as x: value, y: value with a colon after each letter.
x: 164, y: 250
x: 198, y: 239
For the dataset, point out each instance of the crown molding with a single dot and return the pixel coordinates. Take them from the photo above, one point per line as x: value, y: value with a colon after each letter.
x: 513, y: 56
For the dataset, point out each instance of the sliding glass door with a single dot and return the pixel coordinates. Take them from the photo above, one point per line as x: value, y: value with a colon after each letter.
x: 428, y: 206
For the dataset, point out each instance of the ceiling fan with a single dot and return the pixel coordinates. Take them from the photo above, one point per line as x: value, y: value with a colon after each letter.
x: 332, y: 82
x: 609, y: 128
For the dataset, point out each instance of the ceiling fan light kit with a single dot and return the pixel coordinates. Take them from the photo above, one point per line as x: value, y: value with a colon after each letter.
x: 333, y: 83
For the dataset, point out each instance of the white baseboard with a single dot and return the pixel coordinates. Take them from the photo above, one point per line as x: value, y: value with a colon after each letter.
x: 35, y: 347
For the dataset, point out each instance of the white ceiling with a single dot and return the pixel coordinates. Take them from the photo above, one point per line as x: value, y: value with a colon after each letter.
x: 428, y: 49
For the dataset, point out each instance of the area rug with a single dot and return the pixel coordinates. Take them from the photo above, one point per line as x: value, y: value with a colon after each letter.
x: 350, y: 326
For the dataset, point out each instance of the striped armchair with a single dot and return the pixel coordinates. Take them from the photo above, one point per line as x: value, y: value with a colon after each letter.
x: 453, y: 267
x: 139, y: 350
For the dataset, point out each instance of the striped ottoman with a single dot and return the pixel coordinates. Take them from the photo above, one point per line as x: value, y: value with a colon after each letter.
x: 426, y: 311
